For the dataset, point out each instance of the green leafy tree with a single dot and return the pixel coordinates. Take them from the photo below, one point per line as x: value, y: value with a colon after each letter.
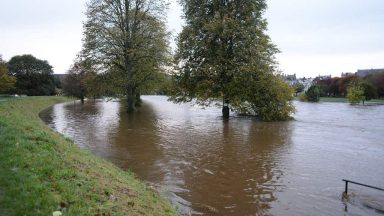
x: 299, y: 87
x: 370, y: 92
x: 7, y: 82
x: 313, y: 94
x: 34, y: 76
x: 355, y: 92
x: 361, y: 90
x: 128, y: 40
x: 225, y: 54
x: 95, y: 85
x: 377, y: 80
x: 269, y: 98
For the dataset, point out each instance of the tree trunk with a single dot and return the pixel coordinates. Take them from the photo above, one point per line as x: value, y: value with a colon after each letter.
x: 225, y: 109
x: 137, y: 99
x: 130, y: 99
x: 82, y: 99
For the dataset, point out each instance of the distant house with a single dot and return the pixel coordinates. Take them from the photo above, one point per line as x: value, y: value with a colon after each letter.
x: 307, y: 82
x: 366, y: 72
x: 323, y: 77
x: 293, y: 80
x: 290, y: 79
x: 347, y: 74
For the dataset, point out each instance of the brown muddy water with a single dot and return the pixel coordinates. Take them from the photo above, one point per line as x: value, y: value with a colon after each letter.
x: 207, y: 166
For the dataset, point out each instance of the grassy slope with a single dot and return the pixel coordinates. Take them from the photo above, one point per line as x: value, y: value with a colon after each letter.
x: 41, y: 170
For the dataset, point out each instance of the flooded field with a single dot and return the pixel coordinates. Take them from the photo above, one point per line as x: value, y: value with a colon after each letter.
x: 208, y: 166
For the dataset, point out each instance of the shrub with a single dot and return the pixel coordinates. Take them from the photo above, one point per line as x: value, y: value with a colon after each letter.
x: 313, y: 94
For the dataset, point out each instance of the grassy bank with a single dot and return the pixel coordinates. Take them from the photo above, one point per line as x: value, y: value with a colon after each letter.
x: 42, y: 172
x: 345, y: 100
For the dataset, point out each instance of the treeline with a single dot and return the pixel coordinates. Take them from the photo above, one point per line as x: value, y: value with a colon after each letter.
x: 224, y: 55
x: 82, y: 81
x: 26, y: 75
x: 373, y: 85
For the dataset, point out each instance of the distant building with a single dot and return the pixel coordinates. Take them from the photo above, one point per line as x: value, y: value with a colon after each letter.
x: 347, y: 74
x: 290, y: 79
x: 323, y: 77
x: 306, y: 82
x: 363, y: 73
x: 293, y: 80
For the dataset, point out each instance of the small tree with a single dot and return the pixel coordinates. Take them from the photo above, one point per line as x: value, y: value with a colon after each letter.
x: 7, y: 83
x: 299, y: 87
x: 355, y: 92
x: 360, y: 90
x: 313, y: 94
x: 74, y: 84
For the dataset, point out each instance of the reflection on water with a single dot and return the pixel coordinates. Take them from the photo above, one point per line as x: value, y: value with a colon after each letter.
x: 91, y: 125
x: 206, y: 165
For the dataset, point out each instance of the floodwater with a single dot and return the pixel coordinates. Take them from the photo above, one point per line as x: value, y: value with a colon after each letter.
x: 207, y: 166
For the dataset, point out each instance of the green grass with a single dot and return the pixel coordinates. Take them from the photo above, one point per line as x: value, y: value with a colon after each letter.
x: 334, y: 99
x: 41, y: 170
x: 345, y: 100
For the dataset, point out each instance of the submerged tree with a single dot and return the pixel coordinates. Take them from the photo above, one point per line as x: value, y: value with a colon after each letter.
x: 355, y: 92
x: 224, y: 52
x: 360, y: 90
x: 313, y: 94
x: 299, y: 87
x: 128, y: 40
x: 74, y: 83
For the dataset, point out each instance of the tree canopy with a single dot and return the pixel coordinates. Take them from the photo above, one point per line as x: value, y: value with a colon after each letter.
x: 7, y: 82
x: 299, y: 87
x: 355, y: 92
x: 360, y: 90
x: 126, y: 39
x: 313, y: 94
x: 34, y: 76
x: 337, y: 86
x: 377, y: 80
x: 224, y: 52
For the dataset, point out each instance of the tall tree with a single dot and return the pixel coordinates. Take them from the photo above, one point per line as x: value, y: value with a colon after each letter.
x: 7, y: 82
x: 34, y: 76
x: 128, y: 39
x: 224, y: 52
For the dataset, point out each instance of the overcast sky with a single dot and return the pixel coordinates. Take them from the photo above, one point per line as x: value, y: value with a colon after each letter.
x: 315, y: 37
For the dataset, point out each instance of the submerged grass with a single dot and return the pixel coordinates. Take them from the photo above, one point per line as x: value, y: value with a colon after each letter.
x: 42, y: 172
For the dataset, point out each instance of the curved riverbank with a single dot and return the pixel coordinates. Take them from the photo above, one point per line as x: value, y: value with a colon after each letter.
x: 42, y: 172
x: 242, y: 166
